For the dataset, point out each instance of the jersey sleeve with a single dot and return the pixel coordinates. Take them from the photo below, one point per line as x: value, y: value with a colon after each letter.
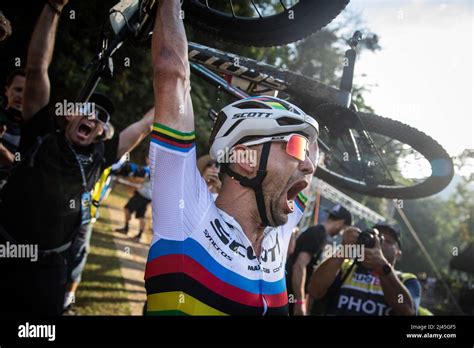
x: 180, y: 197
x: 295, y: 217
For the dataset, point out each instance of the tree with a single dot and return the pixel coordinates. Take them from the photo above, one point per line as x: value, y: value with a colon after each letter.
x: 445, y: 227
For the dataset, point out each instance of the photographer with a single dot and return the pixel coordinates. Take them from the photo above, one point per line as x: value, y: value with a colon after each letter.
x: 369, y: 285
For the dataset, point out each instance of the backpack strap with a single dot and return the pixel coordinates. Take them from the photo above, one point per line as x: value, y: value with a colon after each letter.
x: 406, y: 276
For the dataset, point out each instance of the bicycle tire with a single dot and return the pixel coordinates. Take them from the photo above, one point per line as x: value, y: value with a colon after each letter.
x: 309, y: 16
x: 440, y: 161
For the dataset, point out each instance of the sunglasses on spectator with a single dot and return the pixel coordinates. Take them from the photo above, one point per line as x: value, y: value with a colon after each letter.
x: 96, y: 112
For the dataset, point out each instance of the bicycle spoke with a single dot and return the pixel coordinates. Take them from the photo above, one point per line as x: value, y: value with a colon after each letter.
x: 240, y: 9
x: 392, y: 163
x: 232, y: 8
x: 256, y: 8
x: 386, y: 143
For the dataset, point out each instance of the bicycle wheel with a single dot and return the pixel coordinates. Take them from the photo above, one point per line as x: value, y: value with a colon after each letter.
x: 408, y: 164
x: 261, y: 22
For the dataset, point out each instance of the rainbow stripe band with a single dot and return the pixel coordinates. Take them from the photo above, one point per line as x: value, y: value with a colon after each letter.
x: 300, y: 201
x: 280, y: 105
x: 181, y: 278
x: 207, y: 267
x: 172, y: 139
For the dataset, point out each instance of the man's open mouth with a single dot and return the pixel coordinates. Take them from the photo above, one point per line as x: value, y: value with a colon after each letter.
x: 85, y: 129
x: 293, y: 191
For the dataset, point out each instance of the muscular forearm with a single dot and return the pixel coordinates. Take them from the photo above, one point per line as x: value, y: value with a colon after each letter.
x: 40, y: 53
x: 169, y: 44
x: 396, y: 295
x: 131, y: 136
x: 324, y: 276
x: 40, y: 50
x: 171, y: 68
x: 297, y: 281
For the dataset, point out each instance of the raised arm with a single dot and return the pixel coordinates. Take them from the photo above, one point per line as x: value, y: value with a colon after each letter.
x: 395, y: 293
x: 325, y: 274
x: 171, y: 70
x: 135, y: 133
x: 40, y: 53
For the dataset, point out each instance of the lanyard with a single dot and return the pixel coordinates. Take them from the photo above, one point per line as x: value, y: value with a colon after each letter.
x: 81, y: 167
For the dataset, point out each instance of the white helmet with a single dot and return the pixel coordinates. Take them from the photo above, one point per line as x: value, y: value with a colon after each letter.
x: 259, y: 117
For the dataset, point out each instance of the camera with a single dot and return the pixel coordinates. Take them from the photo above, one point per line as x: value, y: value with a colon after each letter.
x: 367, y: 238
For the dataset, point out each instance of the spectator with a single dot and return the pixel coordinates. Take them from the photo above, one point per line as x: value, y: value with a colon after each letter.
x: 10, y: 123
x: 373, y: 286
x: 209, y: 170
x: 308, y: 250
x: 291, y: 247
x: 138, y: 204
x: 79, y: 250
x: 47, y: 197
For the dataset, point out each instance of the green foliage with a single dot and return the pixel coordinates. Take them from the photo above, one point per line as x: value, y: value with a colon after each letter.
x: 463, y: 199
x: 445, y: 227
x: 435, y: 225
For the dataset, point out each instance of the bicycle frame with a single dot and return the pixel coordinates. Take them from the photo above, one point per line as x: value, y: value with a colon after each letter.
x: 207, y: 62
x: 309, y: 93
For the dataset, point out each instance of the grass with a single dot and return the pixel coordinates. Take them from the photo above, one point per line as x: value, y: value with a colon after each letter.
x: 102, y: 291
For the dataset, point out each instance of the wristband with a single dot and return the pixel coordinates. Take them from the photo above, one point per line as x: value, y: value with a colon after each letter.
x: 53, y: 7
x: 385, y: 270
x: 300, y: 301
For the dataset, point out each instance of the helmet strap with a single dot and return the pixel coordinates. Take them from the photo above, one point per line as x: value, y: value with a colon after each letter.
x: 255, y: 183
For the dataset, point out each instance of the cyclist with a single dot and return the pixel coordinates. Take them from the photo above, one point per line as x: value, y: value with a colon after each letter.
x: 225, y: 257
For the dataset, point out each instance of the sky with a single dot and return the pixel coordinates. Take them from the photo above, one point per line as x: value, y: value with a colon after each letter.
x: 423, y: 75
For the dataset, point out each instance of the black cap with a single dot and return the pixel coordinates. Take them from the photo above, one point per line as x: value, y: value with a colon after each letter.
x: 339, y: 212
x: 394, y: 232
x: 103, y: 102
